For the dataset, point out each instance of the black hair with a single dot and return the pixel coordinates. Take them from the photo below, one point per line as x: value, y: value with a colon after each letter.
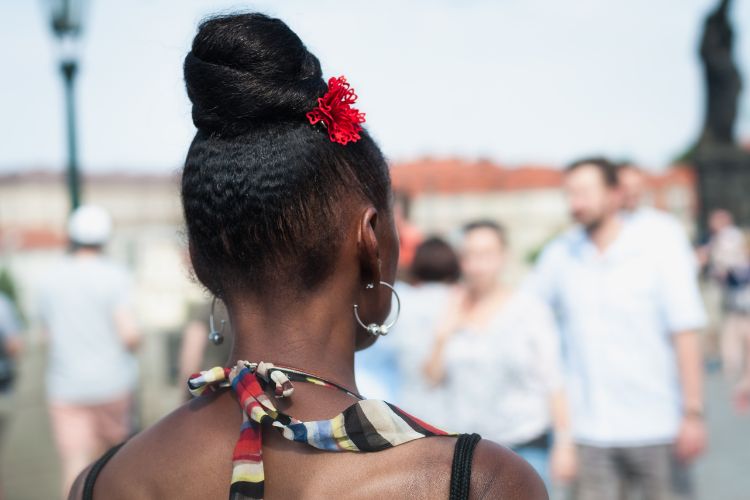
x: 606, y: 168
x: 435, y: 261
x: 496, y: 227
x: 262, y: 188
x: 625, y: 164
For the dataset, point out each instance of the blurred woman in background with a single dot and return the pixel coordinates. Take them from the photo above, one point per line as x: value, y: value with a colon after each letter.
x: 393, y: 366
x: 726, y: 257
x: 496, y: 354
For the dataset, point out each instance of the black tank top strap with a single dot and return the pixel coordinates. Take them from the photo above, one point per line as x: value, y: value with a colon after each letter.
x: 96, y: 468
x: 461, y: 468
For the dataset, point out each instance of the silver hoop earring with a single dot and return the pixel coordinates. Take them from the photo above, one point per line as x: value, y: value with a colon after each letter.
x: 373, y: 328
x: 215, y: 336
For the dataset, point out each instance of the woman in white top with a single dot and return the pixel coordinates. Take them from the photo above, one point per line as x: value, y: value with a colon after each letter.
x: 393, y: 366
x: 497, y: 356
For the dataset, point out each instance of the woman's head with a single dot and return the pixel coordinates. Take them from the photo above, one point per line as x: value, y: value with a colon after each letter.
x: 482, y: 254
x: 267, y: 196
x: 435, y: 261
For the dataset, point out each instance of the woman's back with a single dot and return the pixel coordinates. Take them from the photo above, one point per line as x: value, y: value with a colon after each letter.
x: 188, y: 455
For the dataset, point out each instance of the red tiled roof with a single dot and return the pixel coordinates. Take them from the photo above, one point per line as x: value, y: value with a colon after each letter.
x: 453, y: 176
x: 32, y: 238
x: 681, y: 175
x: 459, y: 176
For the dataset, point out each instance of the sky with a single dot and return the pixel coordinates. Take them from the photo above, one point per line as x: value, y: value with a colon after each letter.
x: 515, y: 81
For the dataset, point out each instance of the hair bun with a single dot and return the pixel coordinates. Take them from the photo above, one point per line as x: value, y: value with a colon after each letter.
x: 249, y: 67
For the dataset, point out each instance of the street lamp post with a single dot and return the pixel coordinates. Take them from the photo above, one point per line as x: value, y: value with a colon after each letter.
x: 69, y: 69
x: 66, y: 18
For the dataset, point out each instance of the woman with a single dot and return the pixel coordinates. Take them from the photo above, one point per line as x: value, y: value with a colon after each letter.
x: 287, y: 205
x: 393, y: 366
x: 497, y: 356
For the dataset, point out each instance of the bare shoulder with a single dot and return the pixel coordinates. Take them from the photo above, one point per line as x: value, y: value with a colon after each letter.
x: 170, y: 456
x: 422, y: 469
x: 497, y: 472
x: 187, y: 455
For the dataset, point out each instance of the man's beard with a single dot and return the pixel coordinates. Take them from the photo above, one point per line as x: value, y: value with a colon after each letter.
x: 591, y: 225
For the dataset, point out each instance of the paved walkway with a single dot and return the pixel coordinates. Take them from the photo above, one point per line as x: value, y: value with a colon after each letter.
x: 30, y: 471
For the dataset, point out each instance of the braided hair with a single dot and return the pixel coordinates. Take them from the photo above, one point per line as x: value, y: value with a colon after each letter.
x: 263, y: 190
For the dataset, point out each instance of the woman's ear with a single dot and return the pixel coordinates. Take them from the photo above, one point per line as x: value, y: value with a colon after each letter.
x: 367, y: 246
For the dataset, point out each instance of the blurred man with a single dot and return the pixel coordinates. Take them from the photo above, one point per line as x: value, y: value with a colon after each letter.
x: 632, y: 182
x: 91, y: 372
x: 728, y: 262
x: 632, y: 185
x: 627, y: 302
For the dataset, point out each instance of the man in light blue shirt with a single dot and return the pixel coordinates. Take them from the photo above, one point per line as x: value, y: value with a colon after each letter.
x: 625, y: 293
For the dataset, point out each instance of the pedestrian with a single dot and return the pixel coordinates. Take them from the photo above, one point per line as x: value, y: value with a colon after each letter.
x: 632, y: 184
x: 86, y: 306
x: 496, y: 355
x: 394, y: 364
x: 626, y: 299
x: 727, y: 260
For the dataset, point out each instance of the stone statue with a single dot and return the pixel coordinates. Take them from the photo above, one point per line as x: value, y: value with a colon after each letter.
x: 722, y: 166
x: 722, y: 78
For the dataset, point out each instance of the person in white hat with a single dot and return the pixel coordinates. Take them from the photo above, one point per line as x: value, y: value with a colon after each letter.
x: 86, y: 307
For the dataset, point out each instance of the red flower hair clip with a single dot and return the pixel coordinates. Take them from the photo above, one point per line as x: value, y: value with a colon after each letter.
x: 335, y: 110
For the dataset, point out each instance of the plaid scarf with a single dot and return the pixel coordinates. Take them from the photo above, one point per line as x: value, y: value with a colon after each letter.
x: 368, y: 425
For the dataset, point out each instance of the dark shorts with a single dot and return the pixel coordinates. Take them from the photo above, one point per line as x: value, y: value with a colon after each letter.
x: 651, y: 472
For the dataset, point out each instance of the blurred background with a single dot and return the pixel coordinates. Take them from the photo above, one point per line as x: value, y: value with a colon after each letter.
x: 477, y: 105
